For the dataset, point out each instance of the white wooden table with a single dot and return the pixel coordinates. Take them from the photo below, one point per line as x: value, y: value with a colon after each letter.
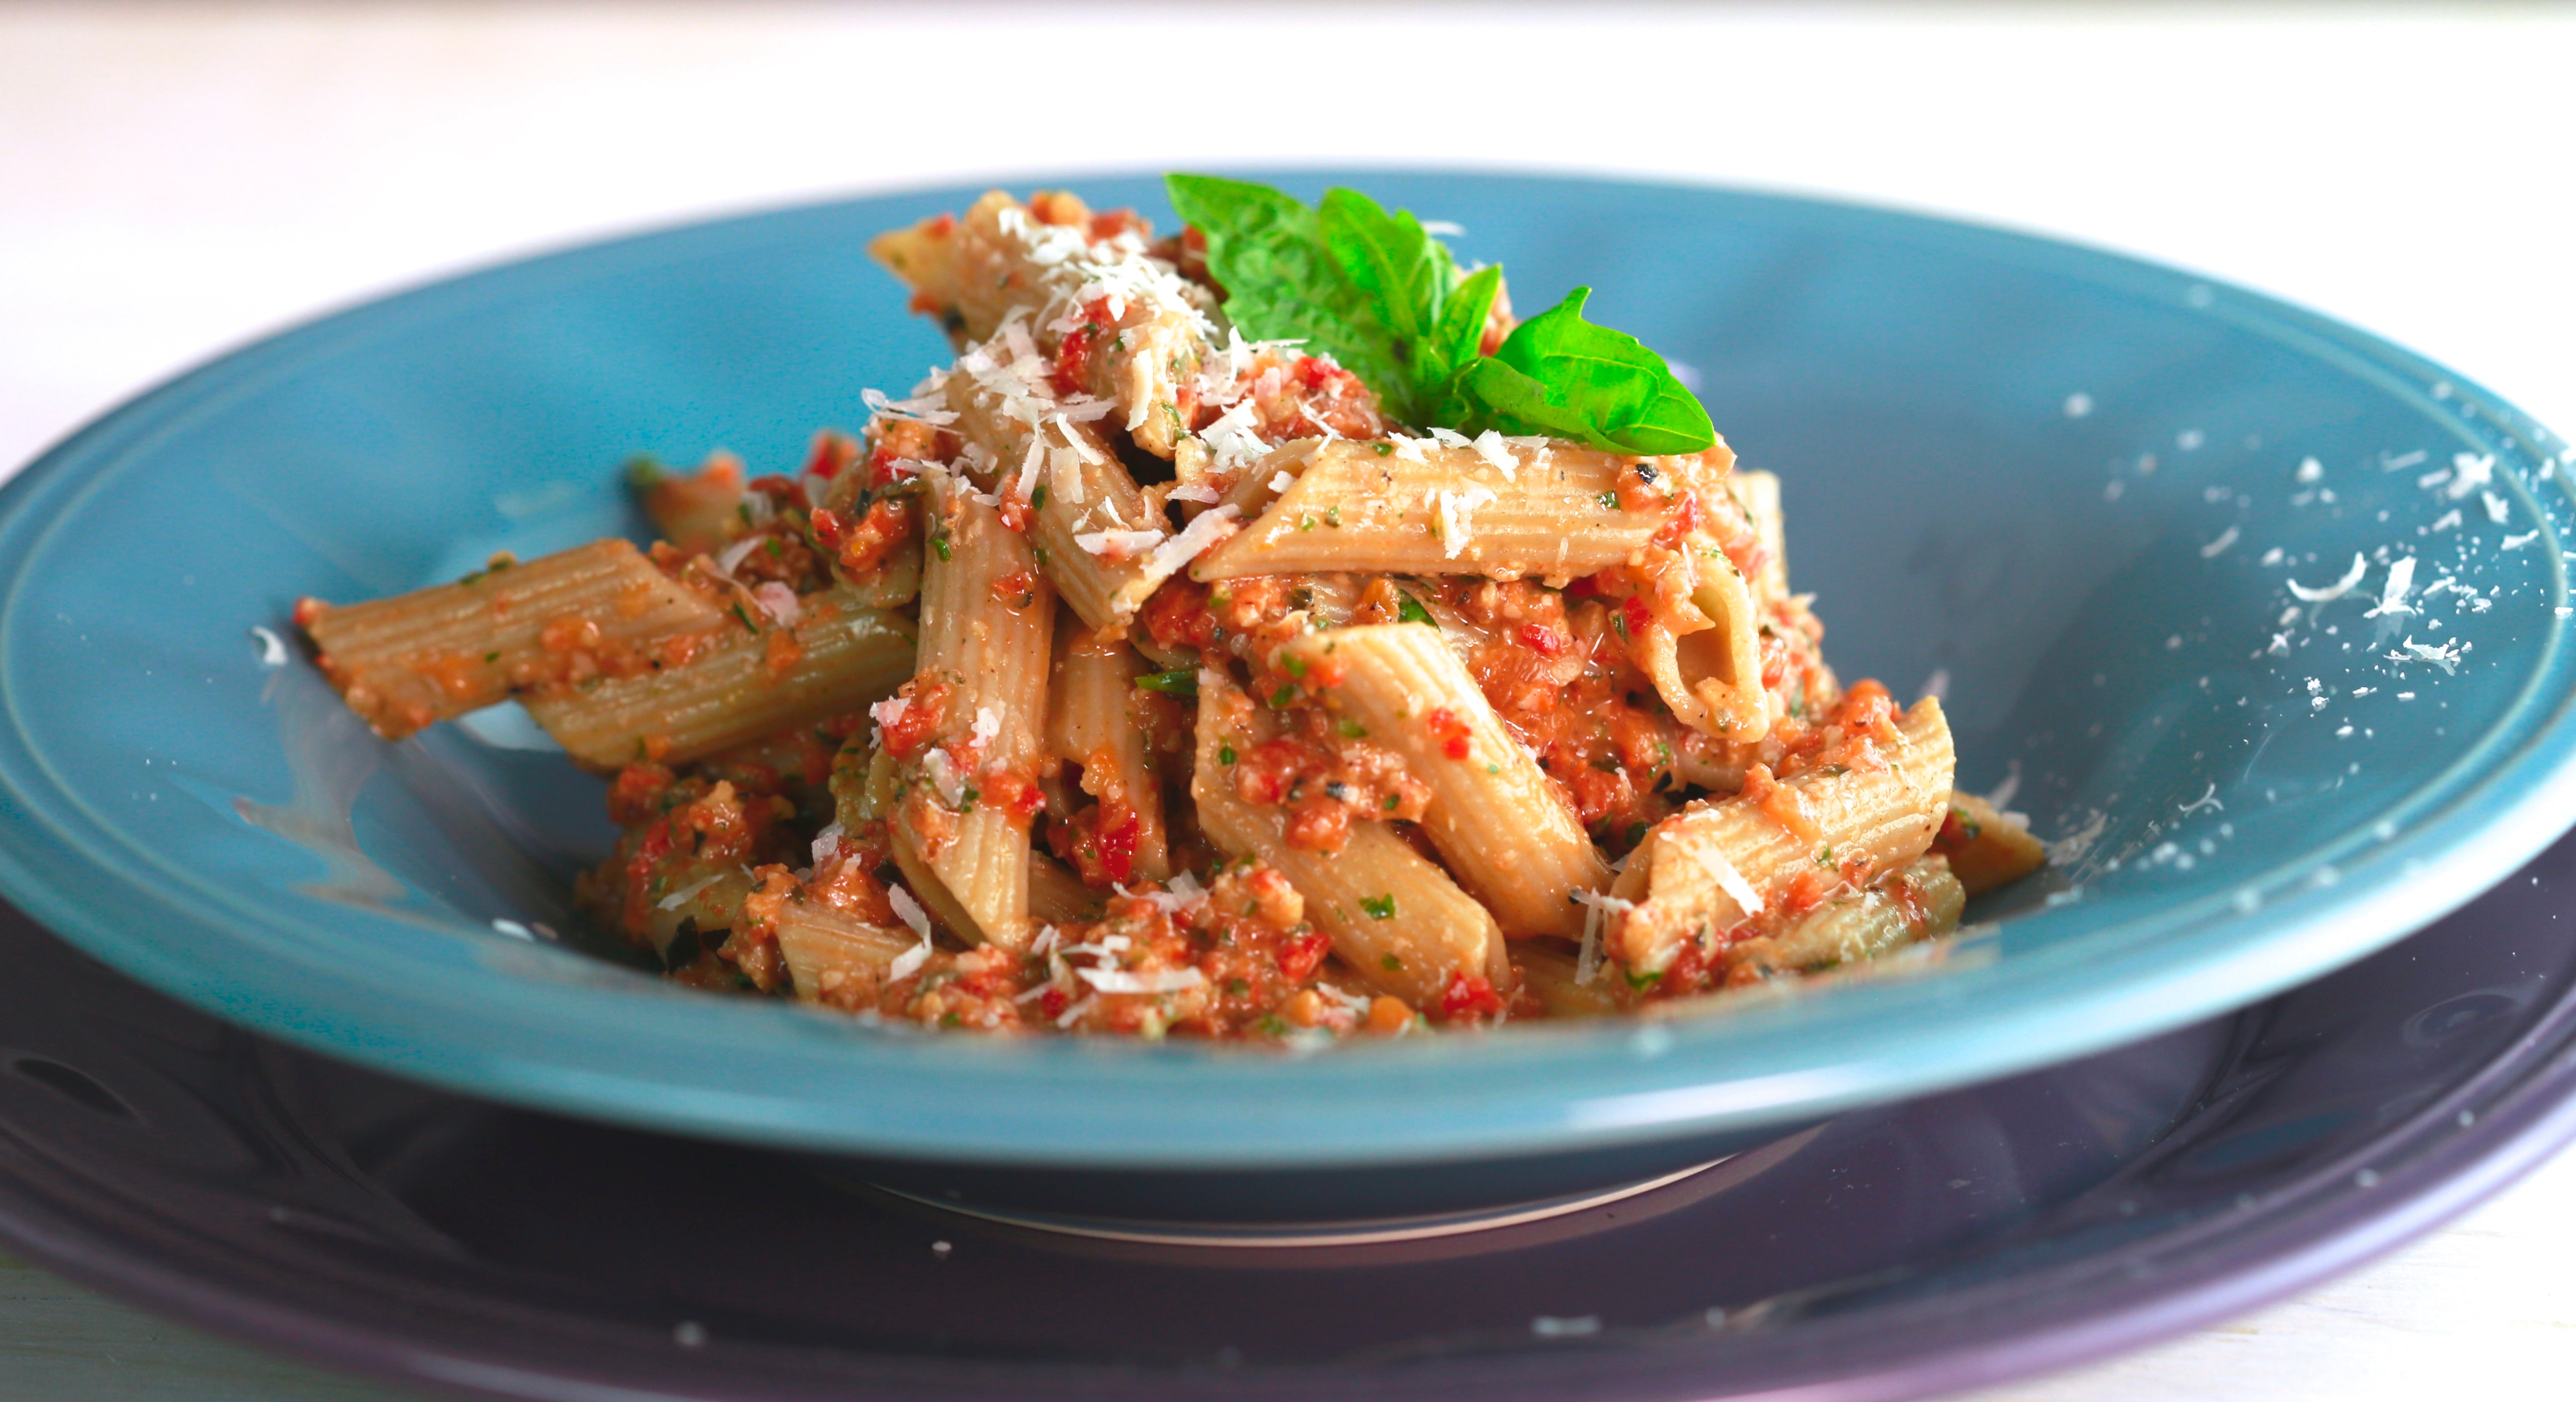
x: 175, y: 179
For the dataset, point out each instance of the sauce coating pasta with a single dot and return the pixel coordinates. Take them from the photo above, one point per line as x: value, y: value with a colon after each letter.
x: 1136, y: 675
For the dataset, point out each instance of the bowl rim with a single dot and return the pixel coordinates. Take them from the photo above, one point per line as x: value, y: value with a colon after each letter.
x: 831, y: 1085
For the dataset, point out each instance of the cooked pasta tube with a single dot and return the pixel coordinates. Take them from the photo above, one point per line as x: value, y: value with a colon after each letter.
x: 986, y: 620
x: 1090, y: 723
x: 1918, y: 902
x: 1057, y: 896
x: 1498, y: 821
x: 1452, y: 511
x: 1550, y: 973
x: 1393, y: 916
x: 1987, y: 848
x: 1716, y: 864
x: 1759, y: 495
x: 832, y: 952
x: 1703, y: 650
x: 1097, y: 537
x: 1133, y: 330
x: 839, y: 657
x: 596, y: 610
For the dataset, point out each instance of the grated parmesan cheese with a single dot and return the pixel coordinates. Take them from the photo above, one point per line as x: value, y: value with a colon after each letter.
x: 827, y: 842
x: 2392, y: 595
x: 779, y: 601
x: 1204, y: 495
x: 1489, y: 445
x: 1730, y: 880
x: 681, y: 897
x: 987, y: 725
x: 1119, y: 545
x: 1129, y: 981
x: 1457, y: 510
x: 2336, y: 590
x: 1193, y: 541
x: 2471, y: 471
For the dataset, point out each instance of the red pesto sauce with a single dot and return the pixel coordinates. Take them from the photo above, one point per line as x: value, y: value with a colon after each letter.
x: 1558, y: 665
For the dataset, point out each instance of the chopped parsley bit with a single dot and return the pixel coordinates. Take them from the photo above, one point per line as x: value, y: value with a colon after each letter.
x: 1271, y: 1025
x: 1966, y: 824
x: 1296, y: 666
x: 1641, y: 982
x: 1351, y: 729
x: 1286, y: 693
x: 1607, y: 764
x: 1225, y: 754
x: 1409, y: 609
x: 1825, y: 857
x: 1305, y: 523
x: 1636, y: 833
x: 966, y: 800
x: 1180, y: 681
x: 1041, y: 557
x: 495, y: 657
x: 1610, y: 499
x: 1237, y: 988
x: 1333, y: 516
x: 746, y: 618
x: 743, y: 510
x: 1392, y: 801
x: 1385, y: 448
x: 775, y: 551
x: 1389, y: 963
x: 1379, y: 907
x: 940, y: 543
x: 1037, y: 499
x: 1493, y: 769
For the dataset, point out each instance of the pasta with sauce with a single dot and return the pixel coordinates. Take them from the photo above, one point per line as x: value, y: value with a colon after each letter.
x: 1135, y: 676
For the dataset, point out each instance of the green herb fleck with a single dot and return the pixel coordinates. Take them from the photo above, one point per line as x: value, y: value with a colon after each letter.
x: 1286, y: 693
x: 1180, y: 681
x: 1037, y: 499
x: 1641, y: 982
x: 940, y: 543
x: 1385, y: 448
x: 1225, y: 754
x: 1379, y: 907
x: 1409, y: 609
x: 1390, y: 963
x: 1351, y: 729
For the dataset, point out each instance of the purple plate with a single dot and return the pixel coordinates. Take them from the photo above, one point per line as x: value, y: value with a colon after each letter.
x: 1964, y: 1239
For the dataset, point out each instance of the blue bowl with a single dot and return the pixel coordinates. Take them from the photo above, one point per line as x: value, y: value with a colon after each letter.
x: 2071, y: 484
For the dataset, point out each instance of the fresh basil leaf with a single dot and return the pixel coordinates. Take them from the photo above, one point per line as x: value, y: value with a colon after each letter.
x: 1404, y: 274
x: 1282, y: 283
x: 1409, y: 609
x: 1572, y: 379
x: 1460, y: 338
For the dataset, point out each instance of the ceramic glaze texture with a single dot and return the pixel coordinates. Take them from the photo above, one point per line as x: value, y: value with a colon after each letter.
x: 2074, y: 486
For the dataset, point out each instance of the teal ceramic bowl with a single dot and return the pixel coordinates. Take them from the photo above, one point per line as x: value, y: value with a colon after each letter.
x: 2094, y: 500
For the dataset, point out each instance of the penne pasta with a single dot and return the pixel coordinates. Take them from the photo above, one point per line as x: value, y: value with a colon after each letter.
x: 1692, y: 876
x: 597, y: 610
x: 1360, y: 717
x: 986, y: 620
x: 1090, y: 723
x: 839, y: 657
x: 1498, y: 822
x: 1556, y: 516
x: 1987, y: 848
x: 1394, y: 917
x: 835, y: 957
x: 1095, y: 535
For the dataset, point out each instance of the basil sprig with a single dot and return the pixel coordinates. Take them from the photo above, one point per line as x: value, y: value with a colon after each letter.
x: 1384, y: 299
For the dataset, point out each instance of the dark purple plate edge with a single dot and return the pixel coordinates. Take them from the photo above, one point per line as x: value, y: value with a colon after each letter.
x: 2436, y: 1170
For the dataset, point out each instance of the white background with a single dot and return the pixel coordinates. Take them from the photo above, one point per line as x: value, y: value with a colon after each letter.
x: 177, y: 179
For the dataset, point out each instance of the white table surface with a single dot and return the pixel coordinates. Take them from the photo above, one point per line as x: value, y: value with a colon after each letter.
x: 176, y: 179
